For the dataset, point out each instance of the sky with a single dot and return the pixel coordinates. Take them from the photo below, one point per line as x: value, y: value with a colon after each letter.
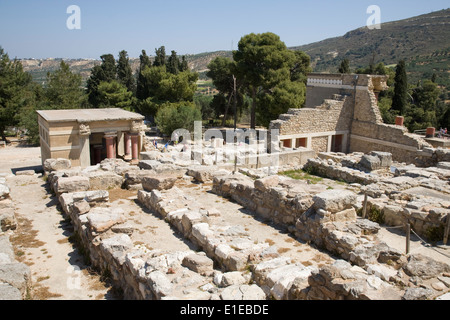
x: 39, y: 28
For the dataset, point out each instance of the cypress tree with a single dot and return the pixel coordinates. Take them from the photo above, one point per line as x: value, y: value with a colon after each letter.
x: 141, y: 88
x: 345, y: 66
x: 160, y: 58
x: 400, y: 98
x: 124, y: 72
x: 173, y: 63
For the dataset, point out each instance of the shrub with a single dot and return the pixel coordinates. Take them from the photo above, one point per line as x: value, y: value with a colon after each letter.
x: 173, y: 116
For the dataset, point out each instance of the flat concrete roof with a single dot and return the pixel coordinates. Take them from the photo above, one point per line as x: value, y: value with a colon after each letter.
x: 88, y: 115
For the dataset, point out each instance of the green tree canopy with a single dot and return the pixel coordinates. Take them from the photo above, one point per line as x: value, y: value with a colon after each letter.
x: 64, y: 89
x: 16, y: 92
x: 113, y: 94
x: 106, y: 71
x: 264, y: 63
x: 173, y: 116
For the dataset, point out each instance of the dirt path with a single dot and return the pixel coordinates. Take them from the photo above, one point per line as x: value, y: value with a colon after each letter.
x: 42, y: 242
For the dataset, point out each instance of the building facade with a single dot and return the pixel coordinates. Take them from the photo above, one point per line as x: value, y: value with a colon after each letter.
x: 87, y: 136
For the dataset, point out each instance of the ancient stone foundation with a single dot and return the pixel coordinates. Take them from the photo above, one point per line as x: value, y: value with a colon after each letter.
x: 226, y: 263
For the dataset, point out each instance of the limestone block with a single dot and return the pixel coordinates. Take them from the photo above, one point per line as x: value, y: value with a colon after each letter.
x: 158, y: 182
x: 17, y: 275
x: 8, y: 292
x: 72, y: 184
x: 223, y: 251
x: 393, y: 215
x: 136, y: 176
x: 284, y: 277
x: 81, y: 207
x: 345, y: 215
x: 201, y: 232
x: 424, y: 267
x: 102, y: 180
x: 334, y: 200
x: 266, y: 183
x: 7, y: 219
x: 189, y: 219
x: 370, y: 163
x: 232, y: 278
x: 198, y: 263
x: 117, y: 246
x: 159, y: 284
x: 417, y: 294
x: 101, y: 219
x: 4, y: 191
x: 201, y: 174
x: 57, y: 164
x: 382, y: 271
x: 243, y: 292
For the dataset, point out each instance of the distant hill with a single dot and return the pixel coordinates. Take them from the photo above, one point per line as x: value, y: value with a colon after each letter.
x: 423, y: 41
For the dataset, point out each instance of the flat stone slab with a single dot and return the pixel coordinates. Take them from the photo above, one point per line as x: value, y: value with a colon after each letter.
x: 158, y: 182
x: 101, y: 219
x: 72, y: 184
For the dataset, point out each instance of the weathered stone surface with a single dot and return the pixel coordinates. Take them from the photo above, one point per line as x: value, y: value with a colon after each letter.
x: 4, y: 191
x: 334, y: 200
x: 158, y: 182
x: 102, y: 180
x: 7, y: 219
x: 117, y: 246
x: 57, y: 164
x: 266, y: 183
x: 232, y: 278
x: 8, y: 292
x: 425, y: 267
x: 17, y: 275
x: 101, y: 219
x: 81, y: 207
x: 159, y: 284
x: 243, y: 292
x: 417, y: 294
x: 198, y: 263
x: 72, y: 184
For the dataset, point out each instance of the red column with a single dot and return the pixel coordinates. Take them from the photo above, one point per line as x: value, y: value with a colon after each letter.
x: 127, y: 146
x: 110, y: 147
x: 430, y: 132
x: 135, y: 147
x: 399, y: 121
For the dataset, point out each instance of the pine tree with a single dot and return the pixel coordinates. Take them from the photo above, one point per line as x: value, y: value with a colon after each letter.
x: 64, y: 89
x: 124, y: 72
x: 400, y: 98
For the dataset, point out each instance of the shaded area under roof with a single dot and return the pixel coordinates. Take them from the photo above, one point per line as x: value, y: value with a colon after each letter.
x: 89, y: 115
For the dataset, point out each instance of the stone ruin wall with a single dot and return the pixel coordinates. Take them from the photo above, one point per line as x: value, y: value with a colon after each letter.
x: 339, y: 113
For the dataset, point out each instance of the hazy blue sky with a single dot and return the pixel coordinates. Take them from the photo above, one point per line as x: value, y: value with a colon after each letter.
x: 37, y: 28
